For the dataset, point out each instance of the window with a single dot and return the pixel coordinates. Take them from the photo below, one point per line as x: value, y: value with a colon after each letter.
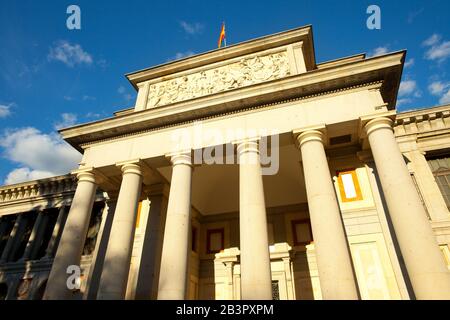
x: 275, y: 290
x: 349, y: 188
x: 440, y: 166
x: 301, y: 232
x: 215, y: 240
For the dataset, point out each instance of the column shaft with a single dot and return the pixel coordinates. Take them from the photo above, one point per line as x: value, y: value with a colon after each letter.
x: 116, y: 267
x: 427, y: 184
x: 73, y: 237
x: 16, y: 233
x: 56, y: 234
x: 424, y: 261
x: 151, y: 253
x: 175, y: 258
x: 256, y: 278
x: 332, y: 253
x: 35, y: 236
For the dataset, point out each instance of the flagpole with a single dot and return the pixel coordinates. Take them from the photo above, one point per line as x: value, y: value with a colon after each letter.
x: 225, y: 39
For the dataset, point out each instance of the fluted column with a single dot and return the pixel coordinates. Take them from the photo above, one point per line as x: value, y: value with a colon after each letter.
x: 56, y: 234
x: 425, y: 264
x: 15, y: 234
x: 174, y: 260
x: 332, y: 253
x: 116, y: 267
x: 73, y: 237
x: 35, y: 236
x: 256, y: 279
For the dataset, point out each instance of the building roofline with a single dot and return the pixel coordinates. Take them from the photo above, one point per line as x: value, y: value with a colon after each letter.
x: 386, y: 68
x: 303, y: 33
x: 422, y: 111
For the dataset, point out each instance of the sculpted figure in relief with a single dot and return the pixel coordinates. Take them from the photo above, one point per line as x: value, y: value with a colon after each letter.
x: 243, y: 73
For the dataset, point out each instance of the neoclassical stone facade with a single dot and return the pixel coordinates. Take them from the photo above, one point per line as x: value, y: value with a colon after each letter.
x: 247, y: 172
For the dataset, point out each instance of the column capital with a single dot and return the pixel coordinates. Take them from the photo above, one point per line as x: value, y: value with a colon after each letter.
x: 85, y: 174
x: 376, y: 121
x: 310, y: 133
x: 180, y: 157
x: 247, y: 145
x: 130, y: 166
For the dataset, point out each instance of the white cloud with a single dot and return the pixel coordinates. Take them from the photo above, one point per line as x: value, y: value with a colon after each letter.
x: 407, y: 92
x: 414, y: 14
x: 5, y: 110
x: 407, y: 87
x: 69, y: 54
x: 440, y: 89
x: 191, y: 28
x: 437, y: 87
x: 25, y: 174
x: 403, y: 101
x: 37, y: 154
x: 86, y: 97
x: 438, y: 50
x: 378, y: 51
x: 445, y: 98
x: 67, y: 120
x: 432, y: 40
x: 409, y: 63
x: 180, y: 55
x: 123, y: 92
x: 93, y: 115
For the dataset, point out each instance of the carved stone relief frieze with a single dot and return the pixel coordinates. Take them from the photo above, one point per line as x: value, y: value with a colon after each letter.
x: 247, y: 71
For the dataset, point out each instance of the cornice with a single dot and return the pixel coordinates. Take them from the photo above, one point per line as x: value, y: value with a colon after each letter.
x: 247, y: 47
x: 37, y: 190
x: 423, y: 122
x: 249, y: 109
x: 340, y: 77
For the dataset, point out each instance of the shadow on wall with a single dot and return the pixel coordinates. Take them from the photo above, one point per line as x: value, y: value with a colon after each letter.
x: 3, y: 291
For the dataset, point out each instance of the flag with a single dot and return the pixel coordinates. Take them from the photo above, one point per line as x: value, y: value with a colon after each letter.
x: 222, y: 36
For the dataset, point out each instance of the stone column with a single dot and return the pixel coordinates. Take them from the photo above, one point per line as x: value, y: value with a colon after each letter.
x: 56, y: 234
x: 330, y: 242
x: 73, y: 237
x: 98, y: 257
x: 256, y: 278
x: 424, y: 261
x: 431, y: 193
x: 15, y: 235
x: 175, y: 252
x: 148, y: 276
x: 116, y: 267
x: 35, y: 236
x: 3, y: 226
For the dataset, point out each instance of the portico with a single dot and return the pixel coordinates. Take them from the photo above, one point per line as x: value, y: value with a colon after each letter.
x: 232, y: 229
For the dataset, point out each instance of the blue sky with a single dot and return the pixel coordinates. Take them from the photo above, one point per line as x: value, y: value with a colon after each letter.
x: 51, y: 77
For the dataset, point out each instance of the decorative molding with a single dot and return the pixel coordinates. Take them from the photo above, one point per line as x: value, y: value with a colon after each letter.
x: 84, y: 145
x: 248, y: 71
x: 37, y: 189
x: 423, y: 121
